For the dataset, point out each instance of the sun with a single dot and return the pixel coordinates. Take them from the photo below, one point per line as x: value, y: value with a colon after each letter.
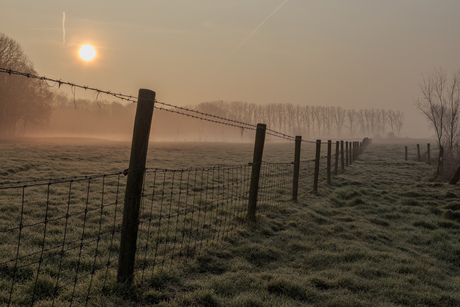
x: 87, y: 52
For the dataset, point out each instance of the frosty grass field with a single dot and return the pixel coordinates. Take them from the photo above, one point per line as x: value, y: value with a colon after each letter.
x: 383, y: 234
x: 54, y: 158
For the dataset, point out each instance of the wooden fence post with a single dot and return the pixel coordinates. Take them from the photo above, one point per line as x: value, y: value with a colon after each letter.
x: 428, y: 153
x: 133, y: 193
x: 341, y: 155
x: 328, y: 166
x: 336, y: 167
x: 255, y: 172
x: 317, y: 158
x: 351, y: 153
x: 352, y: 150
x: 295, y: 182
x: 405, y: 155
x: 440, y: 161
x: 346, y: 153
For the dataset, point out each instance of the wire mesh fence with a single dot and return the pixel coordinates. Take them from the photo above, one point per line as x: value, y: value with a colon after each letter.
x: 185, y: 210
x: 60, y: 238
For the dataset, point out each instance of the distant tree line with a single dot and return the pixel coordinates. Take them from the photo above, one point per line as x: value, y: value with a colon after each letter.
x: 311, y: 121
x: 86, y: 117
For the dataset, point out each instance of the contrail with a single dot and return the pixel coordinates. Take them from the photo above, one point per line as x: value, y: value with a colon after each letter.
x: 63, y: 28
x: 255, y: 30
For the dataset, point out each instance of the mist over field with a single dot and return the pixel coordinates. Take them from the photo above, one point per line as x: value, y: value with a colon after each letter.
x: 216, y: 121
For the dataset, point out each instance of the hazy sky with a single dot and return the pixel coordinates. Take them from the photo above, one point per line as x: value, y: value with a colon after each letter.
x: 349, y: 53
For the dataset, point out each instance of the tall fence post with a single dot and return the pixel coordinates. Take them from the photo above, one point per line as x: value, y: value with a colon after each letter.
x: 346, y: 153
x: 336, y: 167
x: 295, y: 182
x: 255, y: 172
x: 328, y: 166
x: 419, y: 158
x: 130, y: 223
x: 317, y: 157
x: 341, y: 155
x: 405, y: 155
x: 428, y: 153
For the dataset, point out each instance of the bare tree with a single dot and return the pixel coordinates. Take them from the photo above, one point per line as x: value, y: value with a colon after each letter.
x: 391, y: 115
x: 452, y: 97
x: 440, y: 104
x: 399, y: 121
x: 351, y: 115
x: 316, y: 114
x: 432, y: 104
x: 339, y: 119
x: 306, y: 119
x: 369, y: 117
x: 362, y: 122
x: 383, y: 121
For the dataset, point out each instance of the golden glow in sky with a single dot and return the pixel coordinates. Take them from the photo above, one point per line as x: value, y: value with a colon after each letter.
x: 87, y: 53
x: 353, y: 54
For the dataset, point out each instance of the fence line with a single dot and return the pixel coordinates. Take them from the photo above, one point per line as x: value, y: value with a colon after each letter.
x: 419, y: 154
x: 61, y: 238
x: 447, y: 167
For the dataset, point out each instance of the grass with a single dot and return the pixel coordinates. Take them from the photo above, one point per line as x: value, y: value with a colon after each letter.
x: 384, y: 234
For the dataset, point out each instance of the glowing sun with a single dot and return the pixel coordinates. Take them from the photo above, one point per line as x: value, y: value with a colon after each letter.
x: 87, y: 52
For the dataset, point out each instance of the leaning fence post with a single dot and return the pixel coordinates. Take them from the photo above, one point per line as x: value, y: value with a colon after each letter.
x: 295, y: 182
x: 255, y: 173
x: 329, y: 151
x: 341, y: 155
x: 317, y: 157
x: 419, y: 158
x: 336, y: 167
x: 428, y: 153
x: 139, y: 146
x: 405, y: 155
